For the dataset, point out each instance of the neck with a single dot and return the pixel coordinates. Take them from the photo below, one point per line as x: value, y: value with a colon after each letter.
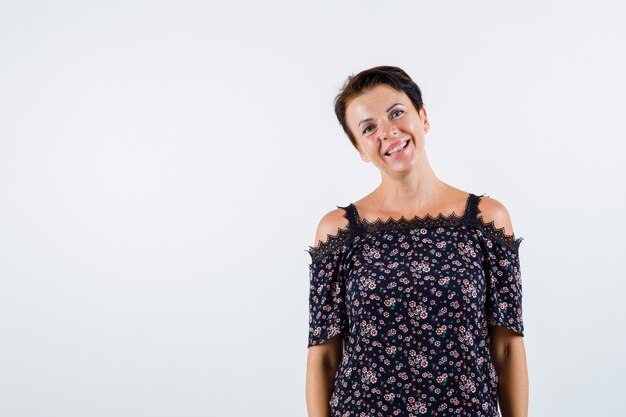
x: 419, y: 189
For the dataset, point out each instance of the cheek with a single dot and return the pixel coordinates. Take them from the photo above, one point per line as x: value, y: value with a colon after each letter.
x: 413, y: 125
x: 405, y: 124
x: 410, y: 125
x: 370, y: 142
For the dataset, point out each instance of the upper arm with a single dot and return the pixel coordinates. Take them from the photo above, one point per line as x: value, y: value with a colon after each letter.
x: 502, y: 340
x: 330, y: 352
x: 327, y: 354
x: 504, y: 281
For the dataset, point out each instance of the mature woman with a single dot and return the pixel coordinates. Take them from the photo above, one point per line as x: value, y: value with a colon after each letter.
x: 415, y: 304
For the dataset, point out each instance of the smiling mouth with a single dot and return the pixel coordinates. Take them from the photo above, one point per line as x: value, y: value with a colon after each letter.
x: 398, y: 148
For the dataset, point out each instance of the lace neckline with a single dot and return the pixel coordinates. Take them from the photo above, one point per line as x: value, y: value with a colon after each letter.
x: 411, y: 222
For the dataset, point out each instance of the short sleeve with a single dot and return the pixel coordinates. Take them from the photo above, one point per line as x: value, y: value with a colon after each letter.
x: 504, y: 284
x: 327, y: 295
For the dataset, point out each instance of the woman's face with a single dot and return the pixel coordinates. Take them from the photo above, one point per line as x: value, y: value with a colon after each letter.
x: 383, y: 119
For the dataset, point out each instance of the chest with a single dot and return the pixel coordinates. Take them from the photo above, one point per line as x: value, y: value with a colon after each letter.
x: 417, y: 271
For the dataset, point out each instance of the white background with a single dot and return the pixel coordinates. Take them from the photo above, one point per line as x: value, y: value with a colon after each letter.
x: 164, y: 165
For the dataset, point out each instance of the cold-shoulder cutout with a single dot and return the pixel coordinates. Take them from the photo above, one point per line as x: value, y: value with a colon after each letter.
x: 496, y: 221
x: 332, y: 232
x: 330, y: 224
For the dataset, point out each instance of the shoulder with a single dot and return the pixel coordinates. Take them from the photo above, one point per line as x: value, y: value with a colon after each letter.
x: 330, y: 224
x: 492, y: 210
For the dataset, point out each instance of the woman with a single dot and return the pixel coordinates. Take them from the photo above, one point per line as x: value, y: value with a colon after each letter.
x: 415, y: 304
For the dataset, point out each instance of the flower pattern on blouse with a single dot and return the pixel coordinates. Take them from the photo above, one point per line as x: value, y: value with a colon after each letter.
x: 412, y: 299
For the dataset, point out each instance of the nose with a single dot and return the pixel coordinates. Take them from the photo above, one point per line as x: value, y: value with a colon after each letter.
x: 388, y: 129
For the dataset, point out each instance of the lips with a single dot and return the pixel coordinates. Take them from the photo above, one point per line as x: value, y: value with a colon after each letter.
x: 396, y: 144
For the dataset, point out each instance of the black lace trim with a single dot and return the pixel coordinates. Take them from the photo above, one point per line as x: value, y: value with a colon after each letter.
x: 343, y: 236
x: 490, y: 230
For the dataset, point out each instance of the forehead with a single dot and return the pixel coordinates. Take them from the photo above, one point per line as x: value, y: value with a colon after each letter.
x: 373, y: 102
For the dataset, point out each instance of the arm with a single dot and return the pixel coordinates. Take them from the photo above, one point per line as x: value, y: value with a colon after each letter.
x: 322, y: 363
x: 509, y: 356
x: 507, y: 346
x: 323, y: 359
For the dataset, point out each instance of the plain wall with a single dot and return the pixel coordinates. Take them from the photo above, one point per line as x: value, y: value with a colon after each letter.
x: 164, y: 165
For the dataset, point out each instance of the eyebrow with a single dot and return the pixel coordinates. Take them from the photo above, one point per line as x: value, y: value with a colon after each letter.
x: 369, y: 119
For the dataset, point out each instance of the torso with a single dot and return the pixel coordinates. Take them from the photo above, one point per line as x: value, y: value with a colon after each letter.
x: 413, y: 300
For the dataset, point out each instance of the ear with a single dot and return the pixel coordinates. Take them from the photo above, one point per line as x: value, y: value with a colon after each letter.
x: 424, y: 116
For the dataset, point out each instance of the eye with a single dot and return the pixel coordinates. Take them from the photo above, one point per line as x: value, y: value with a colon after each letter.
x: 365, y: 131
x: 397, y: 112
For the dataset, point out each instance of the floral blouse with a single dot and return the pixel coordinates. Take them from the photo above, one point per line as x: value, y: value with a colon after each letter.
x: 412, y: 299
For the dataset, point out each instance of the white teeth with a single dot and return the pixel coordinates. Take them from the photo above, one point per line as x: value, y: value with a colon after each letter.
x: 397, y: 148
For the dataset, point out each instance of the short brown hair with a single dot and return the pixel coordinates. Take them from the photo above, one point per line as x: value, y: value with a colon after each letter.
x: 367, y: 79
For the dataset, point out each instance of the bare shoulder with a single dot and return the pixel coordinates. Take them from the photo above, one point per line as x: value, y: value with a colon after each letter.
x: 492, y: 210
x: 330, y: 224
